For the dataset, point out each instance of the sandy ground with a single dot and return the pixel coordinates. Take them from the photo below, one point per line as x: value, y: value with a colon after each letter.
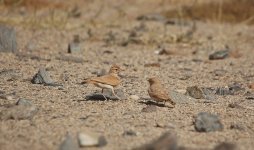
x: 66, y: 110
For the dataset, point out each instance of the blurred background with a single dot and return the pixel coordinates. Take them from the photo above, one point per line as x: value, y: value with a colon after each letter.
x: 78, y: 13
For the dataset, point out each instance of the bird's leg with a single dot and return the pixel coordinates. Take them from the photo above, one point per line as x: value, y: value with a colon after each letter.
x: 114, y: 93
x: 104, y: 96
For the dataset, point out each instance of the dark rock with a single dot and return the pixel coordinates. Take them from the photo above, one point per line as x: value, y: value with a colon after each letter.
x: 149, y: 108
x: 129, y: 133
x: 219, y: 55
x: 108, y: 94
x: 167, y: 141
x: 24, y: 102
x: 42, y: 77
x: 225, y: 146
x: 18, y: 112
x: 7, y: 39
x: 206, y: 122
x: 69, y: 143
x: 180, y: 98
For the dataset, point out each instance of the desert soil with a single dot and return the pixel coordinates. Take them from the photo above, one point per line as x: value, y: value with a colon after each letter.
x: 63, y: 110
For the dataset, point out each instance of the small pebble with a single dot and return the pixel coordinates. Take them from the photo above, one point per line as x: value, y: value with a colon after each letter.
x: 91, y: 140
x: 134, y: 97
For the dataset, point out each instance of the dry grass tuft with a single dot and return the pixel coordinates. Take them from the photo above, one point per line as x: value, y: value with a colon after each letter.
x: 232, y: 11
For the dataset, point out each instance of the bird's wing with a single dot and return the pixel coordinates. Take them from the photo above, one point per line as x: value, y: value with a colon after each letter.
x: 107, y: 79
x: 159, y: 92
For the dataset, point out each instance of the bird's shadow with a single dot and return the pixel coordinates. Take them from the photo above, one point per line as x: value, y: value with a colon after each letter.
x: 149, y: 102
x: 99, y: 97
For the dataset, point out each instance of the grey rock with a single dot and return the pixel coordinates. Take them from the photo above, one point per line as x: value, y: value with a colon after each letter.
x: 232, y: 89
x: 219, y: 55
x: 206, y: 122
x: 87, y: 140
x: 108, y: 94
x: 18, y: 112
x: 74, y: 46
x: 24, y: 102
x: 69, y: 144
x: 180, y: 98
x: 225, y: 146
x: 7, y: 39
x: 166, y: 141
x: 42, y: 77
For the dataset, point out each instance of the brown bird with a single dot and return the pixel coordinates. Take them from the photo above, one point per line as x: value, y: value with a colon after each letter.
x: 157, y: 92
x: 108, y: 81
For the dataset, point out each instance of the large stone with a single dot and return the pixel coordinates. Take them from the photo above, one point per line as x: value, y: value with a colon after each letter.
x: 7, y: 39
x: 42, y: 77
x: 206, y: 122
x: 69, y: 143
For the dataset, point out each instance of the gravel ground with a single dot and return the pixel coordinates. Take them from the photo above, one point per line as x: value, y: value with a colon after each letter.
x: 64, y: 109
